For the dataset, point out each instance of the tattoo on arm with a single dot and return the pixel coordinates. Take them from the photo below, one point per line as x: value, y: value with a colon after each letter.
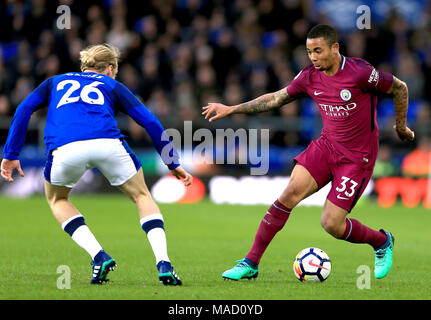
x: 400, y: 95
x: 264, y: 103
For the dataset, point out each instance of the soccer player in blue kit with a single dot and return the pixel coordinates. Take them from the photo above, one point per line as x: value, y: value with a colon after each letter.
x: 81, y: 133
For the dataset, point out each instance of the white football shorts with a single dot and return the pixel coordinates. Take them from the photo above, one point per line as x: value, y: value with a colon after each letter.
x: 113, y: 157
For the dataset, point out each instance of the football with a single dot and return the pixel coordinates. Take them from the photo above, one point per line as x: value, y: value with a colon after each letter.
x: 312, y: 265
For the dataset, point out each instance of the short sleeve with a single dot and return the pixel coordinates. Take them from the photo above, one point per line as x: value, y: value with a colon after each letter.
x: 298, y: 85
x: 372, y: 80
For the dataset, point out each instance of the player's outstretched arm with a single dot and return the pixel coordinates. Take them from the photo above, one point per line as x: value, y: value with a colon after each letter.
x: 263, y: 103
x: 400, y: 94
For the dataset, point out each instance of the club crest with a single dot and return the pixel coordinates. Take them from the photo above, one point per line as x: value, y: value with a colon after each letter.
x: 345, y: 94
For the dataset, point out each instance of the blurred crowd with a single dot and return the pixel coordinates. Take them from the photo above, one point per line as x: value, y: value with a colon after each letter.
x: 177, y: 55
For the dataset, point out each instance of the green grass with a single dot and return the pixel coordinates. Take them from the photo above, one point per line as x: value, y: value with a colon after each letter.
x: 203, y: 240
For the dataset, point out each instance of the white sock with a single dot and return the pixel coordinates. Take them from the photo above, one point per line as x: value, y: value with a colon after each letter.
x: 86, y: 240
x: 157, y: 238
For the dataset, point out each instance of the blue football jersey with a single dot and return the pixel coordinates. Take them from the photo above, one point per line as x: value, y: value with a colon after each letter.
x: 82, y: 106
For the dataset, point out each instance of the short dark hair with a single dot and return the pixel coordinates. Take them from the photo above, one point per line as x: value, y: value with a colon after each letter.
x: 323, y: 31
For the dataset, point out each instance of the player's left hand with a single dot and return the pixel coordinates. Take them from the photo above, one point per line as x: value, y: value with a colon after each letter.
x: 7, y: 168
x: 404, y: 133
x: 180, y: 173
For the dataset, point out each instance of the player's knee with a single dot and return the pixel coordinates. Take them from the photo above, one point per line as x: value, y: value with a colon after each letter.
x: 291, y: 196
x: 53, y: 196
x: 55, y: 200
x: 332, y: 226
x: 141, y: 195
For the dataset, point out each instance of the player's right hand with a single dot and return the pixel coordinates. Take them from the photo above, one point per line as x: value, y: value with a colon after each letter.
x: 219, y: 110
x: 7, y: 168
x: 180, y: 173
x: 404, y: 133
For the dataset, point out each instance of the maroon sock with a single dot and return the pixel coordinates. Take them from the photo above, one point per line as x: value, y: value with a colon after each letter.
x: 272, y: 222
x: 356, y: 232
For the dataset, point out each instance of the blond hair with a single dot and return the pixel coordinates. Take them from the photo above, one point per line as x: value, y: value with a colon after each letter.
x: 98, y: 57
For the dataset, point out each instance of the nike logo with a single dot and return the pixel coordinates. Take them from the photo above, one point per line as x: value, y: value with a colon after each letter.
x: 317, y: 93
x: 311, y: 263
x: 342, y: 198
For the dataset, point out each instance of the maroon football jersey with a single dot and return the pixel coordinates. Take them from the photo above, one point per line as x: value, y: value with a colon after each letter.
x: 347, y: 103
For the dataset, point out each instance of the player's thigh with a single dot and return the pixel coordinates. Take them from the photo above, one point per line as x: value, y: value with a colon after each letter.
x: 317, y: 161
x: 66, y: 165
x: 118, y: 164
x: 311, y: 172
x: 348, y: 184
x: 54, y: 193
x: 301, y: 185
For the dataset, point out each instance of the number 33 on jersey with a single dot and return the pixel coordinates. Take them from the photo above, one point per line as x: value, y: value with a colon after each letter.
x: 346, y: 192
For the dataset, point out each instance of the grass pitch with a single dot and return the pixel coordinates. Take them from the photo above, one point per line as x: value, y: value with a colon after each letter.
x: 204, y: 240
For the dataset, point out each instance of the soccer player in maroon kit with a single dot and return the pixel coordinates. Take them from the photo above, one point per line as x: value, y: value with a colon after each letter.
x: 345, y: 91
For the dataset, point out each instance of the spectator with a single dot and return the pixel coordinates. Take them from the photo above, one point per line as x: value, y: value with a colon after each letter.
x: 4, y: 105
x: 409, y: 70
x: 118, y: 35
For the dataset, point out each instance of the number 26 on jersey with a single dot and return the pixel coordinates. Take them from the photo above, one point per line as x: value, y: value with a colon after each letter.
x: 84, y: 94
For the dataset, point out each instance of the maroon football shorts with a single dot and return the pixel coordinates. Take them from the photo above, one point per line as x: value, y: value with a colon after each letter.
x: 349, y: 178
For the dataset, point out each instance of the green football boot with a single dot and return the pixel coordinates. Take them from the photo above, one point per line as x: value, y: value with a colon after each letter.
x: 243, y: 270
x: 383, y: 257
